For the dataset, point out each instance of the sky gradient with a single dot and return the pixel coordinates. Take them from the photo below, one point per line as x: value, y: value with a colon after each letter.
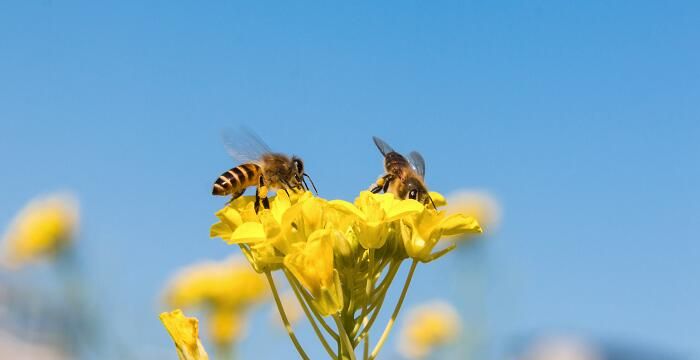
x: 581, y: 118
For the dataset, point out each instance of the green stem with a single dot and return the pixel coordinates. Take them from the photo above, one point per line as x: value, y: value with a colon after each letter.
x: 365, y: 354
x: 345, y: 340
x: 283, y: 315
x: 310, y: 317
x: 315, y: 311
x: 395, y: 314
x: 393, y: 269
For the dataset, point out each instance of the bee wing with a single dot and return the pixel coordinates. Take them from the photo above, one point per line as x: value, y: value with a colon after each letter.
x: 418, y: 163
x: 383, y: 147
x: 244, y: 145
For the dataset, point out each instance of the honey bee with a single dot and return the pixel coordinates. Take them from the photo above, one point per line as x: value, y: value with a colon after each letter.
x: 403, y: 177
x: 260, y: 167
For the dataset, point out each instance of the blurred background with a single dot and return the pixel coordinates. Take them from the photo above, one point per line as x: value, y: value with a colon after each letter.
x: 577, y: 121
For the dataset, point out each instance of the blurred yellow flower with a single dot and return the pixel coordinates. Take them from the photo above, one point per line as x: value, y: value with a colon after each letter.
x: 292, y: 307
x: 478, y: 204
x: 225, y: 290
x: 427, y: 327
x: 185, y: 334
x: 43, y: 229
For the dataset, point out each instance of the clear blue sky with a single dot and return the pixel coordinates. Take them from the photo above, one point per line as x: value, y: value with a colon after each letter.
x: 583, y: 118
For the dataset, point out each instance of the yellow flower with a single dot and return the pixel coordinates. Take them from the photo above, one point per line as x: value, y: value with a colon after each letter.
x: 261, y: 232
x: 185, y: 334
x: 375, y: 214
x: 312, y: 265
x: 226, y: 324
x: 428, y: 327
x: 421, y: 232
x: 226, y: 290
x: 43, y: 229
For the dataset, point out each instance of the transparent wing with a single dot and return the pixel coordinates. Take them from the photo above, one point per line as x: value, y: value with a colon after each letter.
x: 244, y: 145
x: 417, y: 161
x: 383, y: 147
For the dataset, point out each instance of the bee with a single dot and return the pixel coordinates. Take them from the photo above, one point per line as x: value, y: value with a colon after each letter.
x: 403, y: 177
x: 260, y: 167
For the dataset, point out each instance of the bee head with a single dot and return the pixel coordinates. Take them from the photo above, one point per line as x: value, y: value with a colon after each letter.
x: 417, y: 191
x: 297, y: 166
x: 299, y: 175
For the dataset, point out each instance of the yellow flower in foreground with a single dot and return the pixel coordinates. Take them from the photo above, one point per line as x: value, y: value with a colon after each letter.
x: 185, y: 334
x: 421, y: 232
x: 312, y: 265
x: 44, y: 228
x: 262, y: 232
x: 375, y: 214
x: 340, y: 258
x: 225, y: 290
x: 428, y: 327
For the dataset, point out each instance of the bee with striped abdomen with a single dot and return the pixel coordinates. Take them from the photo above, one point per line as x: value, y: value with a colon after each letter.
x: 260, y: 167
x: 403, y: 177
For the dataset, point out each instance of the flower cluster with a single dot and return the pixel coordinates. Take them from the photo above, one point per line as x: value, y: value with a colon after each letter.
x: 225, y: 290
x: 339, y: 257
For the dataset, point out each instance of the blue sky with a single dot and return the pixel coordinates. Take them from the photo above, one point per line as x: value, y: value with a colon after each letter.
x: 580, y: 117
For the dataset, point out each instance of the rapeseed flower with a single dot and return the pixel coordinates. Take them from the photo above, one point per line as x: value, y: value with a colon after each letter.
x: 42, y: 230
x: 185, y: 334
x: 428, y: 327
x: 225, y: 290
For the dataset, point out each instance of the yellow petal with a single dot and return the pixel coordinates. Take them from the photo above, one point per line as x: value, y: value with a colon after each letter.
x: 250, y: 232
x: 330, y: 300
x: 313, y: 265
x: 372, y: 235
x: 230, y: 217
x: 348, y: 208
x: 402, y: 208
x: 220, y: 230
x: 438, y: 199
x: 185, y: 334
x: 459, y: 224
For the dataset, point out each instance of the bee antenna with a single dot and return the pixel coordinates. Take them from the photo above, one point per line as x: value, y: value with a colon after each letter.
x: 433, y: 202
x: 312, y: 183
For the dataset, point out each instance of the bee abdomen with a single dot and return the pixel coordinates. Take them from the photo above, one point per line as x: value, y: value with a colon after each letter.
x: 236, y: 180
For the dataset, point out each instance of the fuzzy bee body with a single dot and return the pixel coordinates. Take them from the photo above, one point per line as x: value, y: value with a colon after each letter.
x: 260, y: 168
x: 403, y: 177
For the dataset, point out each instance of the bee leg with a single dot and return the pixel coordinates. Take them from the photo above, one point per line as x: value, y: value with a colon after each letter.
x: 261, y: 196
x: 382, y: 183
x: 235, y: 196
x: 389, y: 179
x: 287, y: 186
